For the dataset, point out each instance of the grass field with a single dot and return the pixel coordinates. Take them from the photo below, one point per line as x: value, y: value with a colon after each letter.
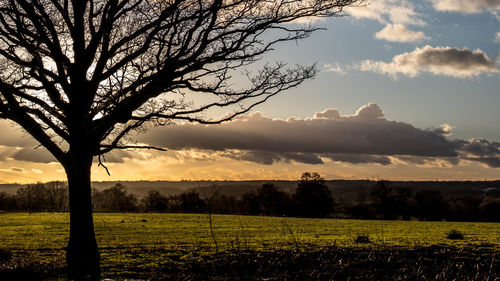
x: 137, y: 240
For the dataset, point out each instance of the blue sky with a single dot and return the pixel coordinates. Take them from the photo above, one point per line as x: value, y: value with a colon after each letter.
x: 468, y: 104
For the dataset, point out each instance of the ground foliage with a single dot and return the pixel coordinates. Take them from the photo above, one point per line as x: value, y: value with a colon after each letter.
x: 180, y: 247
x: 340, y: 263
x: 328, y: 263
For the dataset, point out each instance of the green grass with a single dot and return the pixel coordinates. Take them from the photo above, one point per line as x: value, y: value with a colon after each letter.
x: 145, y: 240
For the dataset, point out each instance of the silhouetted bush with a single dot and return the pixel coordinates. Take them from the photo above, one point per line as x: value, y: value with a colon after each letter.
x: 490, y: 209
x: 455, y: 235
x: 363, y: 238
x: 465, y: 208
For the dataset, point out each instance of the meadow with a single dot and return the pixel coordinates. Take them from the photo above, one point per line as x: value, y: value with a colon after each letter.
x: 132, y: 243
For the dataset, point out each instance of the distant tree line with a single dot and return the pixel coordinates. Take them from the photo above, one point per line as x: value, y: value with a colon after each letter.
x: 51, y: 197
x: 312, y: 198
x: 389, y: 202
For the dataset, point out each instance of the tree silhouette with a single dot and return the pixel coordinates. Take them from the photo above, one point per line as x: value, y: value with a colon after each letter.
x: 80, y: 75
x: 192, y: 202
x: 273, y: 201
x: 431, y: 205
x: 313, y: 196
x: 155, y: 202
x: 390, y: 201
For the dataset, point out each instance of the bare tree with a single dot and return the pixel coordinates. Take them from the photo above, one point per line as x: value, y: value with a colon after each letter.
x: 80, y: 75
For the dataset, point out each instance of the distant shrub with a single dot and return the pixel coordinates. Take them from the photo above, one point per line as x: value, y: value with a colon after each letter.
x: 455, y: 235
x: 363, y: 238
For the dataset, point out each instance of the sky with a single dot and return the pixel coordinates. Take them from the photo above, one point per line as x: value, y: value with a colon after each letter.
x: 406, y: 90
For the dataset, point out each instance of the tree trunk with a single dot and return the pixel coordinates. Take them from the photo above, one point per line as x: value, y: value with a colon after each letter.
x: 82, y: 255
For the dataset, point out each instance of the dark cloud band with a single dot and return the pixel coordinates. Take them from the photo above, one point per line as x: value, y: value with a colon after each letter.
x: 365, y: 137
x: 366, y: 132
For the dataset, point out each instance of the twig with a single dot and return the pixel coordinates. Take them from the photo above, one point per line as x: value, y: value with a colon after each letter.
x: 101, y: 164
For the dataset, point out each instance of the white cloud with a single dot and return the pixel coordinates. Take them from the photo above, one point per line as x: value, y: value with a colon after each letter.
x: 309, y: 20
x: 497, y: 37
x: 328, y: 67
x: 459, y: 63
x: 396, y: 15
x: 388, y: 12
x: 399, y: 33
x: 467, y: 6
x: 445, y: 130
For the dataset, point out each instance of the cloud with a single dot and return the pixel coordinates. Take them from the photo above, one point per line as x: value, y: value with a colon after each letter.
x: 388, y: 11
x: 41, y: 155
x: 14, y: 136
x: 492, y: 162
x: 366, y: 132
x: 497, y: 37
x: 333, y: 68
x: 459, y: 63
x: 395, y: 15
x: 364, y: 137
x: 467, y: 6
x: 399, y: 33
x: 117, y: 156
x: 16, y: 145
x: 445, y: 130
x: 268, y: 158
x: 420, y: 161
x: 481, y: 150
x: 481, y: 147
x: 360, y: 158
x: 327, y: 114
x: 30, y: 154
x: 14, y: 170
x: 37, y: 171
